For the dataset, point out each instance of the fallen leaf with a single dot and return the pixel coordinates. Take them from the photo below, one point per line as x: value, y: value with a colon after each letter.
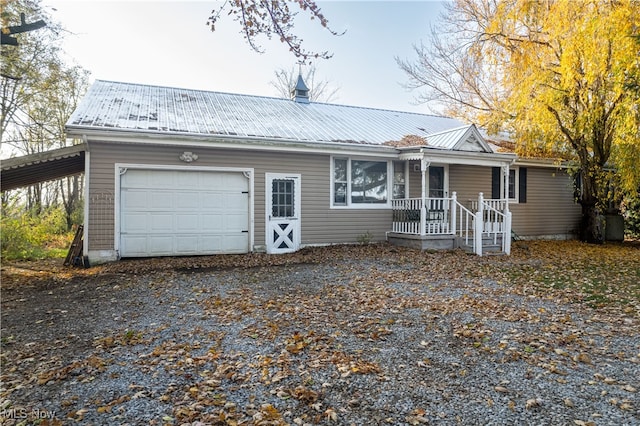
x: 533, y: 403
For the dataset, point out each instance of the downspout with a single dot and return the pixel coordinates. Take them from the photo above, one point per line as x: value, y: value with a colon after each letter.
x: 87, y: 176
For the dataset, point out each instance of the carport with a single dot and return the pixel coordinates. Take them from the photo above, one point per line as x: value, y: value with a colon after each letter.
x: 27, y: 170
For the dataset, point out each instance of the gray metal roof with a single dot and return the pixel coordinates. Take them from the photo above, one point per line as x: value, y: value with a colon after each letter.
x: 124, y: 106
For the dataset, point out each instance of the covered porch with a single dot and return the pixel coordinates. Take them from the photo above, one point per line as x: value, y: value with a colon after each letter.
x: 481, y: 227
x: 437, y: 217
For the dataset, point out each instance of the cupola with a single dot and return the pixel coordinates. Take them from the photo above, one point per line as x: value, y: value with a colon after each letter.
x: 300, y: 93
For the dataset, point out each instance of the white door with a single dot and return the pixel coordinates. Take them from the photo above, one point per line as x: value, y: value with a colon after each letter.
x: 282, y: 212
x: 183, y: 212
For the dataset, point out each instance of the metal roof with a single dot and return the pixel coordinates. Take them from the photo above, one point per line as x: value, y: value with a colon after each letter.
x: 466, y: 138
x: 112, y: 105
x: 42, y: 166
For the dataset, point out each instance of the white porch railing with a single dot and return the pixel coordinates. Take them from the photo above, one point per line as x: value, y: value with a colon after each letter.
x: 446, y: 216
x: 411, y: 217
x: 493, y: 219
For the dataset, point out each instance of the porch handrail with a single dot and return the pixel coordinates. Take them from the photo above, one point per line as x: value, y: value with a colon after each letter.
x: 499, y: 222
x: 463, y: 222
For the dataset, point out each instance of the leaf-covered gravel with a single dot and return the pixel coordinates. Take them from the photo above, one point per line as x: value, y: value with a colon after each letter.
x: 361, y: 335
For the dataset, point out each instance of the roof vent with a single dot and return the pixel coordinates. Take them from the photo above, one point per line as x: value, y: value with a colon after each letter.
x: 300, y: 93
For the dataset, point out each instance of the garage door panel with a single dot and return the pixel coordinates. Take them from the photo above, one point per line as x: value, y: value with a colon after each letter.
x: 176, y: 212
x: 212, y: 180
x: 159, y: 200
x: 134, y: 199
x: 235, y: 243
x: 235, y: 222
x: 159, y: 245
x: 134, y: 222
x: 190, y: 200
x: 189, y: 180
x: 213, y: 201
x: 134, y: 245
x: 161, y: 222
x: 237, y: 200
x: 138, y: 179
x: 213, y: 223
x: 186, y: 244
x: 187, y: 222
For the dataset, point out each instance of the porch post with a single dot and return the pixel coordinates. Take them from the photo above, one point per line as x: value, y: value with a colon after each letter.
x: 453, y: 210
x: 424, y: 166
x: 479, y: 226
x: 506, y: 231
x: 506, y: 237
x: 505, y: 192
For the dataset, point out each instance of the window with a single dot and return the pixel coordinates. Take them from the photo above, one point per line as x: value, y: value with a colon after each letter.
x: 517, y: 189
x: 340, y: 182
x: 368, y: 182
x: 512, y: 184
x: 359, y: 182
x: 282, y: 201
x: 399, y: 180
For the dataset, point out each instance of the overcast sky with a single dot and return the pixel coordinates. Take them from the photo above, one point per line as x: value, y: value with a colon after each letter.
x: 168, y: 43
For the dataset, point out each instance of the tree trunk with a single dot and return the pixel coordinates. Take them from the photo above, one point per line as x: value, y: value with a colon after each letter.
x: 69, y: 190
x: 591, y: 227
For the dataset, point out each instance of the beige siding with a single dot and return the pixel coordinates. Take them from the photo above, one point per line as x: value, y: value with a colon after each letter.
x: 320, y: 223
x: 469, y: 181
x: 549, y: 210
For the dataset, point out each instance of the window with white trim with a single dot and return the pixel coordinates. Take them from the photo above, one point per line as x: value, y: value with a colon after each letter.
x: 517, y: 188
x: 513, y: 186
x: 366, y: 182
x: 399, y: 180
x: 340, y: 170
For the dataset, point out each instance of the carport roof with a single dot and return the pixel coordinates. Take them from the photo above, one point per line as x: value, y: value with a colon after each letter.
x: 43, y: 166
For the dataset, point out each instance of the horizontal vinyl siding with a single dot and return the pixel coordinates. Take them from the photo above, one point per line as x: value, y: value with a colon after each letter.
x: 468, y: 181
x: 550, y: 209
x: 319, y: 223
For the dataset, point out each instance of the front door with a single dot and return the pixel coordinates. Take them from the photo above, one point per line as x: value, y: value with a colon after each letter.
x: 282, y: 212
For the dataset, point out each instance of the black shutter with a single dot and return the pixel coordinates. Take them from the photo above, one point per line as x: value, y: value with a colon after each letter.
x: 495, y: 182
x: 522, y: 185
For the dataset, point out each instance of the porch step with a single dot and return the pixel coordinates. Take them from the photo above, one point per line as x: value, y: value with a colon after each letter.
x: 492, y: 250
x: 488, y: 246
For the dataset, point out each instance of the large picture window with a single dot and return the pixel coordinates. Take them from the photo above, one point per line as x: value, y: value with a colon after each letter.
x: 360, y: 182
x: 368, y: 182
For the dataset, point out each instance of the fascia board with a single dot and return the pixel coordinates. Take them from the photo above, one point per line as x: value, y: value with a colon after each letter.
x: 542, y: 162
x: 235, y: 142
x: 461, y: 157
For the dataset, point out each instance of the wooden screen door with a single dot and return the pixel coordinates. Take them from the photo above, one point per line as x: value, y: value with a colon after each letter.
x: 282, y: 212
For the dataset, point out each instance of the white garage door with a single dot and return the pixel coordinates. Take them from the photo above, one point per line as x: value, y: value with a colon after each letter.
x: 178, y: 212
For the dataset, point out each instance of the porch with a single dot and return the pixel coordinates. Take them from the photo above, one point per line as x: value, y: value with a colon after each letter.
x: 481, y: 226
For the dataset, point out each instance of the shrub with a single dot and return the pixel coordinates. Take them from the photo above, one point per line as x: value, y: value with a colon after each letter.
x: 32, y: 236
x: 631, y: 213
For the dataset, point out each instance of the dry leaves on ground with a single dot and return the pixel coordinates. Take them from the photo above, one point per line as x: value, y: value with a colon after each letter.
x: 336, y: 335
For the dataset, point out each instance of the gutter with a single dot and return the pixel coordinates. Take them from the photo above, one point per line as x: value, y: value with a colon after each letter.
x: 226, y: 141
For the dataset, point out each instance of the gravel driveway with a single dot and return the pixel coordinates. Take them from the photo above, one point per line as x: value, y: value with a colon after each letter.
x: 338, y: 335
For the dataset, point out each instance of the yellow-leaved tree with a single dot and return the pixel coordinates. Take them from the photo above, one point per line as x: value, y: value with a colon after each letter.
x: 563, y: 77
